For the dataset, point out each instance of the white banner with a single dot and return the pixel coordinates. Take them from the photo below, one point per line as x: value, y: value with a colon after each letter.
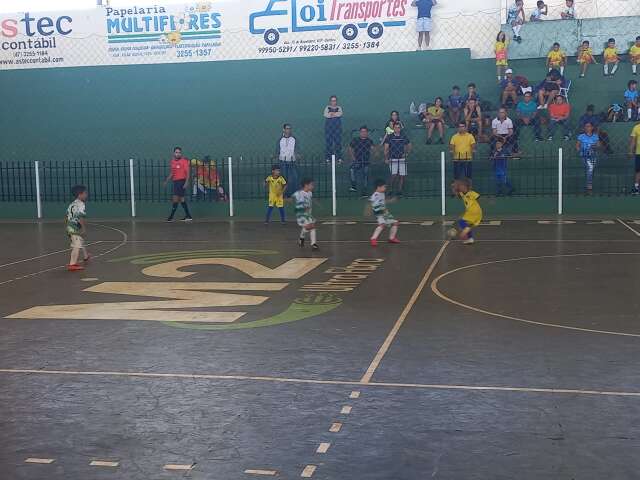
x: 254, y: 29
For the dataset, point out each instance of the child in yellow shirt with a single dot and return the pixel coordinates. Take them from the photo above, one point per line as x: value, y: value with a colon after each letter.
x: 556, y: 58
x: 585, y: 57
x: 472, y: 211
x: 634, y: 56
x: 610, y: 56
x: 501, y: 49
x: 276, y: 184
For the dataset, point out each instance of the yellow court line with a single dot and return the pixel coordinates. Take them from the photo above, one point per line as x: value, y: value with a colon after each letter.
x: 303, y: 381
x: 375, y: 363
x: 629, y: 227
x: 436, y: 290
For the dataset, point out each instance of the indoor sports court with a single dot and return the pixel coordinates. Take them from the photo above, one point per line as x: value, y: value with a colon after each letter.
x: 176, y: 355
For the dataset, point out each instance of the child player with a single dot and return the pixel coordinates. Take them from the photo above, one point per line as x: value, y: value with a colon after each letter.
x: 634, y: 56
x: 610, y: 57
x: 76, y: 227
x: 632, y: 101
x: 303, y: 199
x: 585, y: 57
x: 276, y: 184
x: 385, y: 219
x: 472, y: 212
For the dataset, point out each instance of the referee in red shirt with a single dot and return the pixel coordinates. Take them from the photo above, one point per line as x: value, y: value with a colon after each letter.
x: 179, y: 175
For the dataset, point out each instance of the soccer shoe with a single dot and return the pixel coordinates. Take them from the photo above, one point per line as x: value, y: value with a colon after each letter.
x: 170, y: 219
x: 187, y: 219
x: 469, y: 241
x: 315, y: 247
x: 374, y: 242
x: 353, y: 189
x: 635, y: 191
x: 88, y: 259
x: 301, y: 242
x: 394, y: 240
x: 74, y: 267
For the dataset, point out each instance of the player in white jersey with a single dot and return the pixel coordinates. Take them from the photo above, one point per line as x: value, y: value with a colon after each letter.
x: 303, y: 199
x: 385, y: 219
x: 76, y: 227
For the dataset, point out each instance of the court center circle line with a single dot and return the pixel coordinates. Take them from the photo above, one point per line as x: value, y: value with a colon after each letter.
x: 436, y: 290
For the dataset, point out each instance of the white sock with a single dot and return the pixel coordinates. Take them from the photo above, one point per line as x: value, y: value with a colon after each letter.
x: 516, y: 30
x: 614, y: 69
x: 561, y: 70
x: 312, y: 234
x: 606, y: 69
x: 499, y: 78
x: 377, y: 232
x: 303, y: 232
x: 393, y: 232
x: 75, y: 252
x: 634, y: 68
x: 629, y: 113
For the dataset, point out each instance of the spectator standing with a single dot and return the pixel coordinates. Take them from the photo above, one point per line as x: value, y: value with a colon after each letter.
x: 541, y: 10
x: 631, y: 100
x: 634, y: 56
x: 527, y: 113
x: 454, y: 106
x: 585, y: 57
x: 502, y: 54
x: 587, y: 147
x: 516, y: 18
x: 500, y: 158
x: 634, y: 149
x: 333, y: 129
x: 559, y: 113
x: 503, y: 130
x: 276, y: 184
x: 396, y: 148
x: 287, y: 149
x: 435, y: 119
x: 424, y: 25
x: 462, y: 147
x: 556, y: 59
x: 510, y: 88
x: 179, y: 174
x: 360, y: 150
x: 569, y: 12
x: 610, y: 57
x: 473, y: 117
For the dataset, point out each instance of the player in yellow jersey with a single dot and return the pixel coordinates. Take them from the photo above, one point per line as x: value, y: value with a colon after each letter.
x: 556, y: 58
x: 276, y: 184
x: 472, y: 211
x: 610, y: 57
x: 585, y: 57
x: 634, y: 56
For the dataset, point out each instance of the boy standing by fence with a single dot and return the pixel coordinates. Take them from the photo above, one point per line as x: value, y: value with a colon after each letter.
x: 276, y: 185
x: 76, y: 227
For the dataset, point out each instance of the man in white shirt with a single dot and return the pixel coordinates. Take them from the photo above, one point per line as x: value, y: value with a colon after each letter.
x: 287, y: 154
x: 502, y: 129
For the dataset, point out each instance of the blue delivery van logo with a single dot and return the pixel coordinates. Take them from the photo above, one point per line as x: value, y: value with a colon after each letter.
x: 282, y: 16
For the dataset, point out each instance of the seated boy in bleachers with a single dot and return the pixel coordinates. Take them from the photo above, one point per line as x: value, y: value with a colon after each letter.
x: 472, y: 92
x: 473, y: 117
x: 610, y: 58
x: 510, y: 88
x: 556, y: 58
x: 634, y: 56
x: 585, y: 57
x: 547, y: 90
x: 631, y: 101
x: 454, y: 106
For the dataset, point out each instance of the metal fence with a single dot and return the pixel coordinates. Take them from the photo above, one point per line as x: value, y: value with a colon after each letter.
x: 242, y: 178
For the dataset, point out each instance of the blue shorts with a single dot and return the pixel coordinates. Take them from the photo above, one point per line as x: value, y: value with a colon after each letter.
x: 463, y: 224
x: 178, y: 188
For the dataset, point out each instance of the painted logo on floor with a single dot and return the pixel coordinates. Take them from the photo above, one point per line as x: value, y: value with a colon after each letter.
x: 215, y: 305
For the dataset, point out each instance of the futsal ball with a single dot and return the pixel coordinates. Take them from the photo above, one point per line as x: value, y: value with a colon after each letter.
x: 452, y: 233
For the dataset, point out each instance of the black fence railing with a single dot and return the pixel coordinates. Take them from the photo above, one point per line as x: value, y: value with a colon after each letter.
x: 109, y: 181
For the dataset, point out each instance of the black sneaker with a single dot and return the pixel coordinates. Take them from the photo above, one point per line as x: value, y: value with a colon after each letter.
x: 440, y: 142
x: 315, y: 247
x: 187, y: 219
x: 428, y: 141
x: 301, y: 242
x: 170, y: 219
x: 635, y: 191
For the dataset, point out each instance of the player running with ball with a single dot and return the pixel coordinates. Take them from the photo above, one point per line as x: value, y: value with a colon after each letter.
x: 303, y: 205
x: 384, y: 218
x: 472, y: 211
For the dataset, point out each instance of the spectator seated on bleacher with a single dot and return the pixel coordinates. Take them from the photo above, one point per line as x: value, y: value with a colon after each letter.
x: 503, y: 130
x: 472, y: 93
x: 433, y: 119
x: 510, y: 89
x: 631, y: 101
x: 559, y: 114
x: 527, y: 113
x: 473, y: 117
x: 547, y: 90
x: 454, y: 106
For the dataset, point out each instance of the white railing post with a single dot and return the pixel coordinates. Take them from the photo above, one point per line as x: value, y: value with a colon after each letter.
x: 230, y: 186
x: 333, y: 185
x: 38, y: 199
x: 443, y: 199
x: 132, y: 188
x: 560, y: 181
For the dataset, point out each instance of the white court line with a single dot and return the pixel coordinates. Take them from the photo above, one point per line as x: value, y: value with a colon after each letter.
x: 308, y: 471
x: 325, y: 382
x: 435, y: 240
x: 436, y: 290
x: 39, y: 256
x: 103, y: 463
x: 177, y: 466
x: 43, y: 461
x: 122, y: 242
x: 629, y: 227
x: 323, y: 447
x: 366, y: 378
x: 261, y: 472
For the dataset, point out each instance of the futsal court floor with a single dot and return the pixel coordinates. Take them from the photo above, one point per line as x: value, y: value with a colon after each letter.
x: 222, y: 351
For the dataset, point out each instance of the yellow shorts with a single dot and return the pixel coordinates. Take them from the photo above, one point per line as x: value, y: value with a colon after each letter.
x: 276, y: 201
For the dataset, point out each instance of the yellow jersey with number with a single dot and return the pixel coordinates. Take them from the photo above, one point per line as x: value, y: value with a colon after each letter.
x: 610, y: 54
x: 276, y: 190
x: 556, y: 57
x: 472, y: 210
